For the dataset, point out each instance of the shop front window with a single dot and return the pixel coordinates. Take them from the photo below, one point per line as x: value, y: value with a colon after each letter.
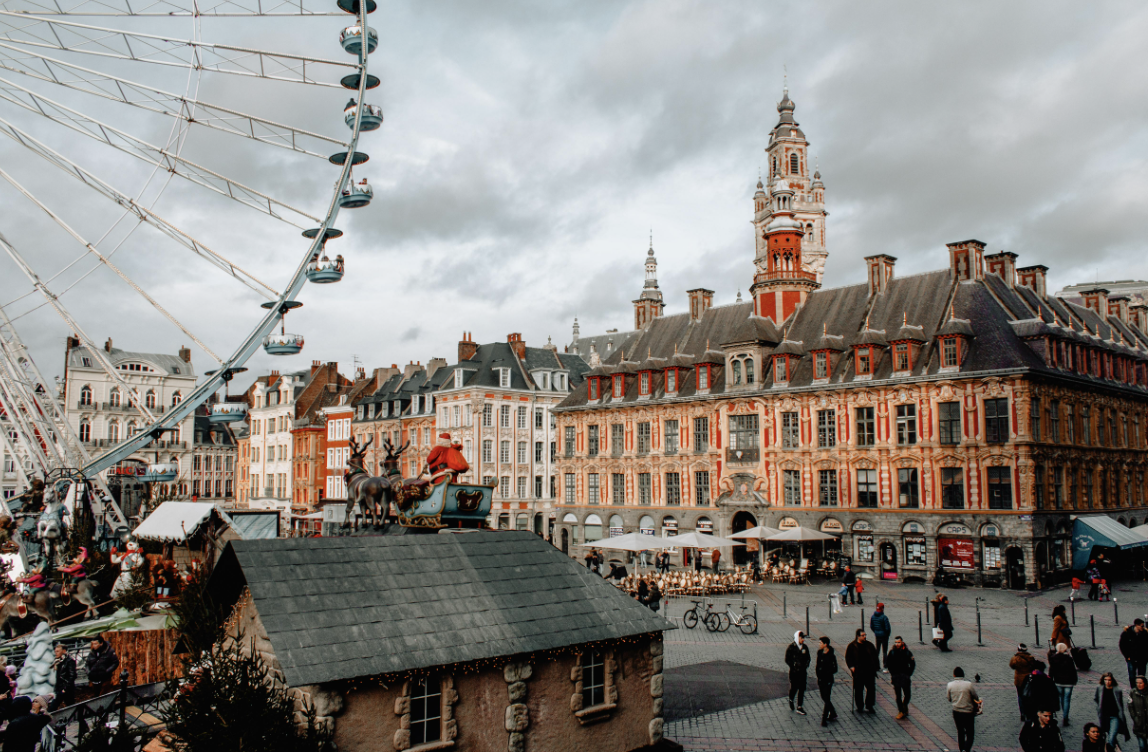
x: 865, y: 549
x: 915, y: 552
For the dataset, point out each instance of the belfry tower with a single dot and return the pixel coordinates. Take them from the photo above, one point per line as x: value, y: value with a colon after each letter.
x: 781, y: 281
x: 788, y: 155
x: 649, y: 305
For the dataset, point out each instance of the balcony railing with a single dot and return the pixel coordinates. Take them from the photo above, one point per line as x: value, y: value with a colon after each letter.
x: 786, y: 274
x: 743, y: 456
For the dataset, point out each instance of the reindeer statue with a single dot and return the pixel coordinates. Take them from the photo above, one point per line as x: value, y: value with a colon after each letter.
x: 369, y: 493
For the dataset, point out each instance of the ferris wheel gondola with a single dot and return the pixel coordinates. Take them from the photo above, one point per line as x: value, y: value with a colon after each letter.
x: 54, y: 58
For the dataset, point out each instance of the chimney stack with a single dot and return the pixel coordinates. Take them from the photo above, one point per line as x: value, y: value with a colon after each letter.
x: 467, y: 349
x: 108, y: 345
x: 434, y: 364
x: 967, y: 260
x: 701, y: 299
x: 382, y: 374
x: 1033, y: 277
x: 1138, y: 317
x: 1097, y: 300
x: 1003, y: 265
x: 1119, y: 307
x: 517, y: 344
x: 880, y: 272
x: 410, y: 370
x: 185, y: 354
x: 360, y: 373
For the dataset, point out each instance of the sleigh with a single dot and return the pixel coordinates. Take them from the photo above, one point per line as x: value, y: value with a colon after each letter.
x: 447, y: 504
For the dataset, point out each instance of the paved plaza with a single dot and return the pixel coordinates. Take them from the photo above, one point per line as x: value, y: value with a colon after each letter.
x: 742, y: 678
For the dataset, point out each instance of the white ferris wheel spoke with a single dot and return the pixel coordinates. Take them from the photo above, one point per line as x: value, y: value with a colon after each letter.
x: 142, y: 212
x: 36, y: 31
x: 149, y: 153
x: 163, y: 102
x: 107, y: 262
x: 171, y: 8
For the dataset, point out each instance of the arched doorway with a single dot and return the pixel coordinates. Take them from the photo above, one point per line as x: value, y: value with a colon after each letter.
x: 888, y: 561
x: 742, y: 555
x: 1014, y: 565
x: 565, y: 541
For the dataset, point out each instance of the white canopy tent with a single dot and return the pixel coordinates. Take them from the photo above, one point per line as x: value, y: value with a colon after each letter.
x: 630, y: 542
x: 801, y: 534
x: 699, y: 540
x: 761, y: 532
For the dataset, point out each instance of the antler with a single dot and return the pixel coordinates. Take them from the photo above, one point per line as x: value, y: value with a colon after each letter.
x: 353, y: 445
x: 369, y: 440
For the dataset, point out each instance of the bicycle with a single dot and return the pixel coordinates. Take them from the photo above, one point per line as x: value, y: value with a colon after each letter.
x: 720, y: 621
x: 691, y: 618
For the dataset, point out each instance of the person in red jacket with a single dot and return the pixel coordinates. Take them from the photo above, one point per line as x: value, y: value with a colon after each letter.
x: 446, y: 460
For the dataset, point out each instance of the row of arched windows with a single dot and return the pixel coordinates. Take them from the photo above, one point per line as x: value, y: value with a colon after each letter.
x: 116, y: 398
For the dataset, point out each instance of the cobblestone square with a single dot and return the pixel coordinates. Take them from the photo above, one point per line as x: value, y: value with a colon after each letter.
x: 769, y: 725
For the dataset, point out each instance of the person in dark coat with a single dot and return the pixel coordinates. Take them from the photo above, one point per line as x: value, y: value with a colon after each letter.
x: 945, y: 624
x: 1062, y: 671
x: 1138, y: 711
x: 1134, y: 647
x: 1039, y: 694
x: 881, y: 628
x: 1093, y: 574
x: 654, y: 600
x: 643, y: 592
x: 1093, y: 739
x: 797, y: 658
x: 102, y: 663
x: 1061, y: 632
x: 825, y: 670
x: 901, y: 665
x: 1041, y: 734
x: 65, y: 688
x: 1109, y: 700
x: 861, y: 658
x: 849, y: 580
x: 23, y: 731
x: 1022, y: 664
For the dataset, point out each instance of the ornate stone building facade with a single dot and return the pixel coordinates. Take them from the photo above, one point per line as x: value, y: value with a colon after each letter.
x: 960, y: 418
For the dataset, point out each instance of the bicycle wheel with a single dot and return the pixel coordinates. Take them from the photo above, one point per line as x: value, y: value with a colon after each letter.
x: 723, y: 621
x: 690, y: 619
x: 748, y: 624
x: 711, y: 622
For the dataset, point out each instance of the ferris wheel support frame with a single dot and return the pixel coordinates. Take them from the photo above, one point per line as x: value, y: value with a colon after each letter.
x: 267, y: 324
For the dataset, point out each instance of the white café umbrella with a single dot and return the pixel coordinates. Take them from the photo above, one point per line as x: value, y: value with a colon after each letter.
x: 630, y: 542
x: 801, y: 534
x: 700, y: 540
x: 761, y: 532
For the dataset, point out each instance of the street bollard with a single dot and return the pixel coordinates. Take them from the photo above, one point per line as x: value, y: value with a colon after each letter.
x: 1116, y: 612
x: 784, y: 607
x: 1026, y: 612
x: 862, y: 618
x: 807, y: 620
x: 1036, y: 631
x: 830, y: 602
x: 1072, y: 602
x: 927, y: 604
x: 921, y: 627
x: 1092, y: 627
x: 979, y: 642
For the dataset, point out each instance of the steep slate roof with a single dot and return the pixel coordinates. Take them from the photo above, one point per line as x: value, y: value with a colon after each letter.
x: 169, y: 364
x: 481, y: 369
x: 930, y: 303
x: 340, y: 608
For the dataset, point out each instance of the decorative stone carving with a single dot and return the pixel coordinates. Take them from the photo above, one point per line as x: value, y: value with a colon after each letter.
x: 517, y: 717
x: 517, y: 714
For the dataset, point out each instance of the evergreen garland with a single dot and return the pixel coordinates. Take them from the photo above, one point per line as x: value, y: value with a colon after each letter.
x: 140, y: 593
x: 229, y: 703
x: 197, y: 617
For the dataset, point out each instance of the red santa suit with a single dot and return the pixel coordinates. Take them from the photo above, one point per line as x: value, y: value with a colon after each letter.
x: 445, y: 458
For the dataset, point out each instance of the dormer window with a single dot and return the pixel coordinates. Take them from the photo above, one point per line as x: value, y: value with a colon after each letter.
x: 619, y: 386
x: 737, y: 372
x: 901, y: 361
x: 545, y: 380
x: 703, y: 377
x: 742, y: 364
x: 504, y: 378
x: 781, y: 369
x: 594, y: 388
x: 821, y: 365
x: 645, y: 382
x: 671, y: 381
x: 864, y: 362
x: 950, y: 352
x: 560, y: 381
x: 458, y: 378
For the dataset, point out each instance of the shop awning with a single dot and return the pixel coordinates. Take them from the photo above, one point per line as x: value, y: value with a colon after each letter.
x: 1098, y: 530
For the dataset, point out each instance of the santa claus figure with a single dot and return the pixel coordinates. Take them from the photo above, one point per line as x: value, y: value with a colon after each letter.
x: 446, y: 461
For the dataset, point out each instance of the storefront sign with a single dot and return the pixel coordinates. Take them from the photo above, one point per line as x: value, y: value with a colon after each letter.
x: 955, y: 553
x: 862, y: 525
x: 832, y: 526
x: 615, y: 532
x: 889, y: 575
x: 955, y: 528
x: 705, y: 526
x: 786, y: 523
x: 670, y: 527
x: 913, y: 527
x: 990, y: 531
x: 646, y: 530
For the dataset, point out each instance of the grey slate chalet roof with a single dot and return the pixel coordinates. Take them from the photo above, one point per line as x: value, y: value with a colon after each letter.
x: 482, y: 369
x: 171, y: 365
x: 603, y: 344
x: 996, y: 319
x: 341, y: 608
x: 212, y: 434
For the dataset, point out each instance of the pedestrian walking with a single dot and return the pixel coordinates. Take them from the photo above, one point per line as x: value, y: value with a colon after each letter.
x: 23, y: 731
x: 861, y: 658
x: 945, y: 624
x: 1093, y: 740
x: 1041, y: 734
x: 797, y: 658
x: 859, y: 588
x: 654, y: 599
x: 965, y: 704
x: 1110, y: 710
x: 881, y: 628
x: 1138, y: 712
x: 1134, y: 647
x: 901, y: 664
x: 1093, y: 574
x: 824, y: 670
x: 849, y: 581
x: 715, y: 559
x: 1105, y: 591
x: 1040, y: 695
x: 1062, y: 671
x: 65, y: 687
x: 1077, y: 583
x: 102, y: 663
x: 1022, y: 664
x: 1061, y: 632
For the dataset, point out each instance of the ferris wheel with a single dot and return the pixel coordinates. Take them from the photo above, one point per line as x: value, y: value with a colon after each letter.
x: 74, y: 73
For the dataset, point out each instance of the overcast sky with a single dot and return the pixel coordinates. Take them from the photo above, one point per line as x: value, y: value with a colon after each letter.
x: 530, y: 148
